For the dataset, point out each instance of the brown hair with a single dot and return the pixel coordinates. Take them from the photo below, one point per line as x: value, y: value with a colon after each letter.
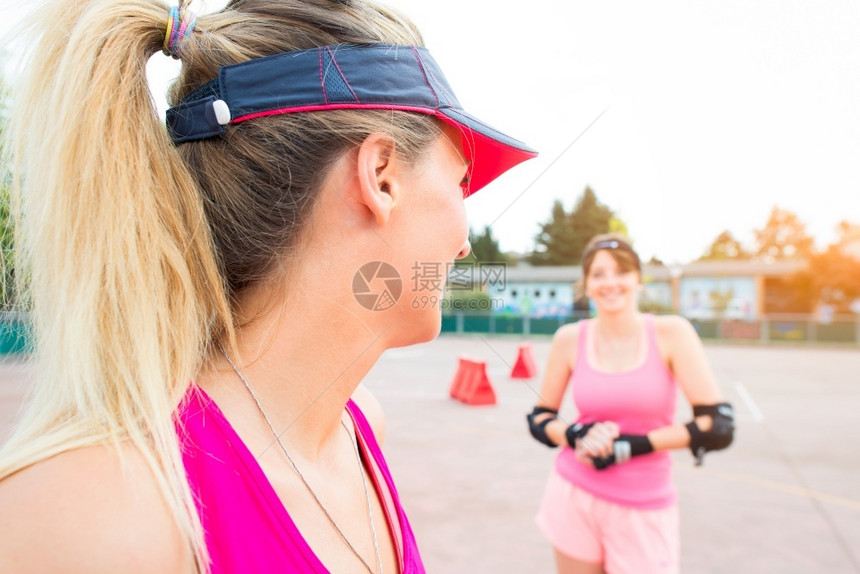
x: 135, y: 252
x: 617, y: 246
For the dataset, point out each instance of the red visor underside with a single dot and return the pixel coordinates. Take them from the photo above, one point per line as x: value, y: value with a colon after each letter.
x: 489, y: 158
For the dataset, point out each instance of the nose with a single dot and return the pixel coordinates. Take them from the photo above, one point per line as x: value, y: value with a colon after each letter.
x: 464, y: 251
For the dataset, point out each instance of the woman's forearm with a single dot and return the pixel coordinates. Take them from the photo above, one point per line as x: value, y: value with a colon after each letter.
x: 676, y: 436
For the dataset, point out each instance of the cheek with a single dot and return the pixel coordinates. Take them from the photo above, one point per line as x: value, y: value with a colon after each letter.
x: 438, y: 229
x: 460, y: 222
x: 451, y: 217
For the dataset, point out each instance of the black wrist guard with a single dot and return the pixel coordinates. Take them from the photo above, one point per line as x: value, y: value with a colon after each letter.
x: 625, y: 447
x: 575, y: 431
x: 720, y: 435
x: 538, y: 430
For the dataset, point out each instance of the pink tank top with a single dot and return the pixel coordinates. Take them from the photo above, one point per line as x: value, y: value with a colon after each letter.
x: 639, y: 400
x: 247, y: 527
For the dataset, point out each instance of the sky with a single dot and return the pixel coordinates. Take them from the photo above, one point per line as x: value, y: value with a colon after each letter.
x: 712, y: 112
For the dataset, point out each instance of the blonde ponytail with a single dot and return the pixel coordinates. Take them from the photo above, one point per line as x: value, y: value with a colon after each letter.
x: 120, y: 267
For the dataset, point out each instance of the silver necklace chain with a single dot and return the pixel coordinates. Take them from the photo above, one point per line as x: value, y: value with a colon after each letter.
x: 353, y: 439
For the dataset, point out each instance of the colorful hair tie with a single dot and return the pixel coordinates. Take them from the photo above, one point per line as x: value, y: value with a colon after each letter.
x: 179, y: 27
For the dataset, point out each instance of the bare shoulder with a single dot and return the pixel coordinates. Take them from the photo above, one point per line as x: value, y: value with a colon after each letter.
x: 88, y: 510
x: 566, y: 341
x: 674, y: 328
x: 567, y: 335
x: 372, y: 410
x: 687, y: 359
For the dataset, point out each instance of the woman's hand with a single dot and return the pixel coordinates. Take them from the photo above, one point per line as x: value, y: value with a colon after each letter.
x: 597, y: 443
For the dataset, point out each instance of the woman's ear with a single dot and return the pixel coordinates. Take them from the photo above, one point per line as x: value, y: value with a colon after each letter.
x: 378, y: 175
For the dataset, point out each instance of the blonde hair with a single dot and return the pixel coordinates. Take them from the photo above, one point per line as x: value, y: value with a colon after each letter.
x: 134, y: 253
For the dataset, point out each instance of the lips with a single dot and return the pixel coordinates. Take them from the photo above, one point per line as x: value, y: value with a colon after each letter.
x: 612, y: 298
x: 611, y: 295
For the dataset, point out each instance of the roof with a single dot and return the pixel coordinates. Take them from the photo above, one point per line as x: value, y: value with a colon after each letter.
x: 543, y: 273
x: 741, y: 268
x: 523, y: 273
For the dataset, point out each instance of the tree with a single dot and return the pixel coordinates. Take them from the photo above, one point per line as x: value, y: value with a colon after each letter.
x: 832, y: 278
x: 616, y: 225
x: 844, y: 229
x: 783, y: 237
x: 485, y: 247
x: 725, y: 246
x: 848, y: 236
x: 563, y: 238
x: 7, y: 244
x: 7, y: 275
x: 555, y: 242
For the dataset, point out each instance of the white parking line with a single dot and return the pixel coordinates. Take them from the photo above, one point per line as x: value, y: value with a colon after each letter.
x: 746, y: 397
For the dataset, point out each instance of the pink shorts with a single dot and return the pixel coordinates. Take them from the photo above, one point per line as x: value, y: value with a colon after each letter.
x: 625, y: 540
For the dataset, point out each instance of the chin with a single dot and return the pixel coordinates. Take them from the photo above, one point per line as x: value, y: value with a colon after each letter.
x: 428, y: 328
x: 616, y: 308
x: 417, y: 327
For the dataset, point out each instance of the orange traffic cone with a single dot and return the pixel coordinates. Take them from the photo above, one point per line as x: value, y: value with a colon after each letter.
x: 524, y: 367
x: 463, y: 371
x: 480, y: 390
x: 471, y: 385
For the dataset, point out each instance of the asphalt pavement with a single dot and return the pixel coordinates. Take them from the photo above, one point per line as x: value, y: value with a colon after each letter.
x: 785, y: 498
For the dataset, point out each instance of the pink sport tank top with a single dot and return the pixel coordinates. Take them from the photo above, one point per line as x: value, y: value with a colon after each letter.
x: 639, y: 400
x: 247, y: 528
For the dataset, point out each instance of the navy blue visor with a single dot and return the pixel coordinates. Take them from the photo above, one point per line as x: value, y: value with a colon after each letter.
x: 345, y: 76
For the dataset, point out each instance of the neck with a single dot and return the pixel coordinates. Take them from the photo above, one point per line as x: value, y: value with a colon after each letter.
x: 618, y: 325
x: 303, y: 361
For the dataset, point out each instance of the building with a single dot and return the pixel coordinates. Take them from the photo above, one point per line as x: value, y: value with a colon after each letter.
x: 699, y: 290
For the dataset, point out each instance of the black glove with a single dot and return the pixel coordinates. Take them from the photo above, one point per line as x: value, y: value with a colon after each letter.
x: 575, y: 431
x: 625, y: 447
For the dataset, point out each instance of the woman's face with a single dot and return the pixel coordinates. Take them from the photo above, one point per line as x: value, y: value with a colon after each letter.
x: 611, y: 289
x: 432, y: 232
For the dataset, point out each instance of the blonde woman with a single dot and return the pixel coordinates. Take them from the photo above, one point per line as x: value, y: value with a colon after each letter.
x: 203, y: 296
x: 610, y: 504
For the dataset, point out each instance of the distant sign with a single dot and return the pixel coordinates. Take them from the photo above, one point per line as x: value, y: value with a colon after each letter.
x: 718, y: 297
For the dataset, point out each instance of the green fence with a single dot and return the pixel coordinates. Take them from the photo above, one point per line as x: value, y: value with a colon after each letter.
x: 15, y: 334
x: 503, y: 324
x: 777, y: 328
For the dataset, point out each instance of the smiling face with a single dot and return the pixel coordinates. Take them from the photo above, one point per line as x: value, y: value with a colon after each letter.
x: 611, y: 288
